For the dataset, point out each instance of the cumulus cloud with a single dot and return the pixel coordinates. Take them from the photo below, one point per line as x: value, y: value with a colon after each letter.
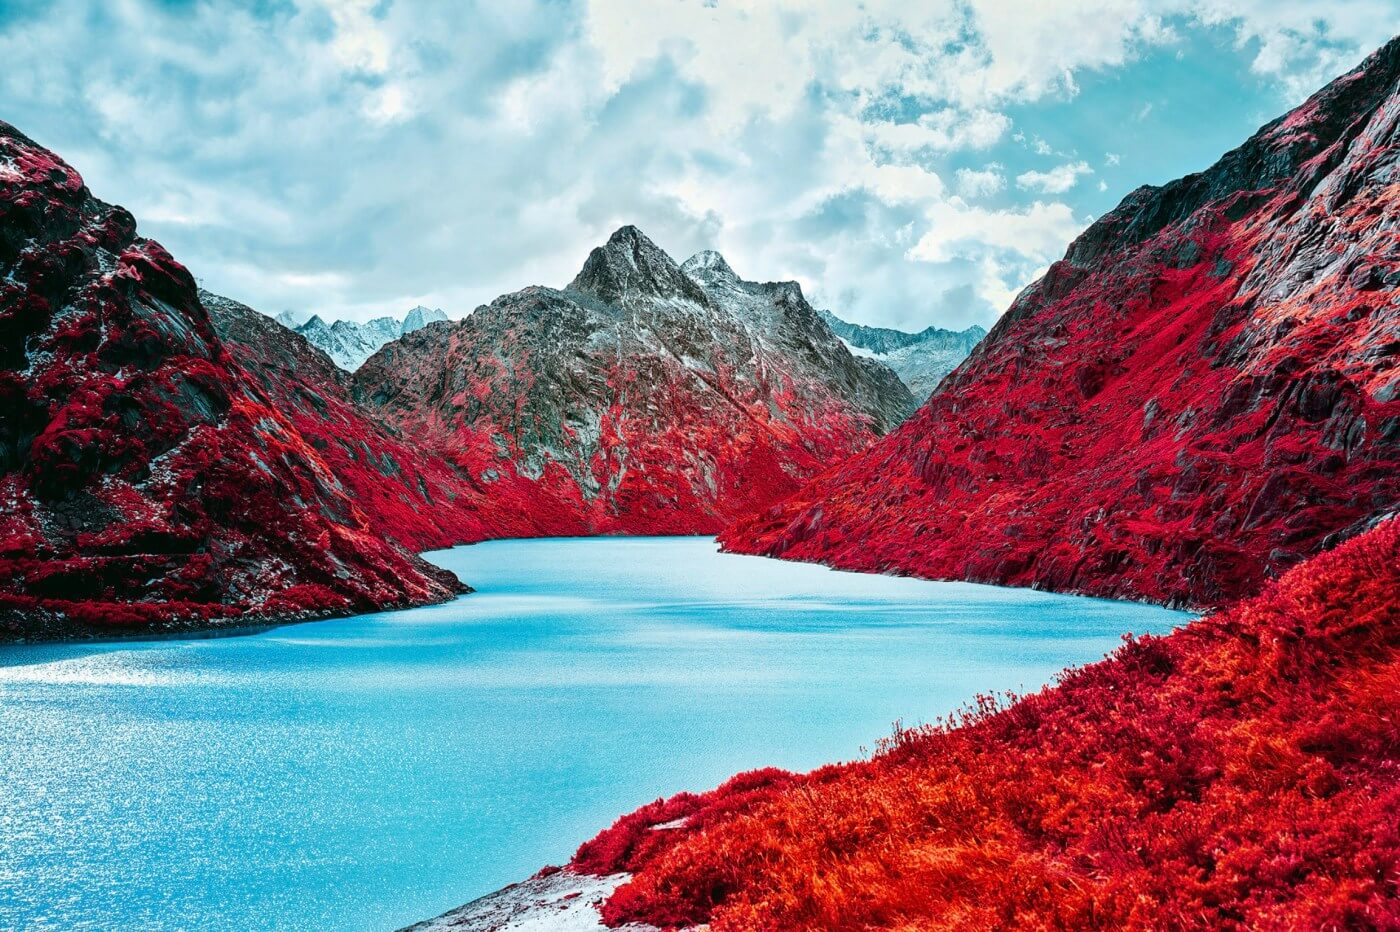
x: 1057, y: 180
x: 974, y: 183
x: 356, y: 157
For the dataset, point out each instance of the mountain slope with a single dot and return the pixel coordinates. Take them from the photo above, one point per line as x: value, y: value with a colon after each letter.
x: 640, y: 399
x: 1237, y: 774
x: 410, y: 496
x: 145, y: 480
x: 349, y: 344
x: 921, y: 360
x: 1203, y: 392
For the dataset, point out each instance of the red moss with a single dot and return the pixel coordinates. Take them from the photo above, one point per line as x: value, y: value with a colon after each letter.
x: 1243, y: 772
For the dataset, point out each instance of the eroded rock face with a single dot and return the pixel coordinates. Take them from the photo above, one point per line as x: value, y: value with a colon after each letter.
x: 144, y: 480
x: 1203, y: 392
x: 643, y: 398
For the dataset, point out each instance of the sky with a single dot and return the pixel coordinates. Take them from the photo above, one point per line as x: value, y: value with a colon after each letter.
x: 909, y: 162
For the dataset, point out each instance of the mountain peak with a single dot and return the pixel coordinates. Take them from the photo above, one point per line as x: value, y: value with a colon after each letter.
x: 707, y: 264
x: 420, y: 317
x: 629, y: 264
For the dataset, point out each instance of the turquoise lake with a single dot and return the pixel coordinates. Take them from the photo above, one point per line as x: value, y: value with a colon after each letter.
x: 373, y: 771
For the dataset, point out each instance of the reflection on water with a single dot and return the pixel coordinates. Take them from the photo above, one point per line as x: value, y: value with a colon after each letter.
x: 367, y: 772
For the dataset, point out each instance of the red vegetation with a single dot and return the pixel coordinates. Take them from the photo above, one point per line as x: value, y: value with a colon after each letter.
x: 144, y: 482
x: 1201, y: 394
x: 1243, y: 772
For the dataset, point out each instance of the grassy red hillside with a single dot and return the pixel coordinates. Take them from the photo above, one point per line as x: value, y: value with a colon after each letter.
x: 1243, y: 772
x: 1202, y: 393
x: 146, y: 482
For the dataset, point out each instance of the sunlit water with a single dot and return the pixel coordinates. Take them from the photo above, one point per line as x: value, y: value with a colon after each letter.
x: 372, y: 771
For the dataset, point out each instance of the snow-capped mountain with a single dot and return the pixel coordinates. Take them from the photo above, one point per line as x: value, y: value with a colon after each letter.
x: 1200, y: 394
x: 921, y: 359
x: 349, y: 343
x: 642, y: 397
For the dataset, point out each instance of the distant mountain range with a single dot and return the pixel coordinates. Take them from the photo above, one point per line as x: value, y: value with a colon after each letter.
x: 921, y: 359
x: 349, y: 343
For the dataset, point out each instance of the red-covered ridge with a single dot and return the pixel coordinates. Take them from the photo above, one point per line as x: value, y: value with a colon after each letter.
x: 645, y: 398
x: 1203, y: 392
x: 1241, y: 773
x: 145, y: 482
x: 412, y: 497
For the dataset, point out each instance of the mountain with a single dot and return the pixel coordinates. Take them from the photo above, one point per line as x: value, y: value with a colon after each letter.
x: 1203, y: 392
x: 292, y: 319
x: 420, y: 317
x: 148, y: 481
x: 921, y: 360
x: 642, y: 398
x: 411, y: 496
x: 349, y: 344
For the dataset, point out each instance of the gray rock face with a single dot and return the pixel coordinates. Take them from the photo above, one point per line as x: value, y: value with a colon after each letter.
x: 921, y: 360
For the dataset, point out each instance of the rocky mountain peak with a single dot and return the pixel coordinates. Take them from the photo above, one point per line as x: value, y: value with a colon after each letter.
x: 707, y: 265
x: 420, y: 317
x: 631, y: 265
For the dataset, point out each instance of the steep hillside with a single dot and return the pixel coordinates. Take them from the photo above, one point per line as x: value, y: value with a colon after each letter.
x: 410, y: 496
x: 642, y: 398
x: 146, y: 482
x: 1203, y: 392
x: 921, y: 360
x: 1237, y: 774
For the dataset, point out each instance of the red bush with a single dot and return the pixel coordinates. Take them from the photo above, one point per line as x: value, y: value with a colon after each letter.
x: 1243, y: 772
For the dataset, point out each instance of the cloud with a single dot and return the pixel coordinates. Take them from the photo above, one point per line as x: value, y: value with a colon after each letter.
x: 975, y: 183
x: 1057, y: 180
x: 356, y: 157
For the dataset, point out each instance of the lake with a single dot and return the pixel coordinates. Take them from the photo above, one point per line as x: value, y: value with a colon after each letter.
x: 368, y: 772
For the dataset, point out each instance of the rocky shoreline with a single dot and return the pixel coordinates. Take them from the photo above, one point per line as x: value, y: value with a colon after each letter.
x: 554, y: 900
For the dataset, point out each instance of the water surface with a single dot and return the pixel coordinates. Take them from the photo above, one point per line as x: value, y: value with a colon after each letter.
x: 372, y: 771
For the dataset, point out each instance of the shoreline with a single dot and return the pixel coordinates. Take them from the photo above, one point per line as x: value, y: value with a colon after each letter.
x: 201, y: 629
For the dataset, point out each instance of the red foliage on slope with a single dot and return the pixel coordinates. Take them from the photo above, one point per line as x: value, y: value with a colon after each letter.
x: 639, y: 400
x: 142, y: 482
x: 1243, y: 772
x: 1202, y: 393
x: 409, y: 495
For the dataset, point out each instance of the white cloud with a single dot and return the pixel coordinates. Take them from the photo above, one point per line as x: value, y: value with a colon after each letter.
x: 355, y: 157
x: 1057, y: 180
x: 1111, y: 158
x: 974, y: 183
x: 1039, y: 232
